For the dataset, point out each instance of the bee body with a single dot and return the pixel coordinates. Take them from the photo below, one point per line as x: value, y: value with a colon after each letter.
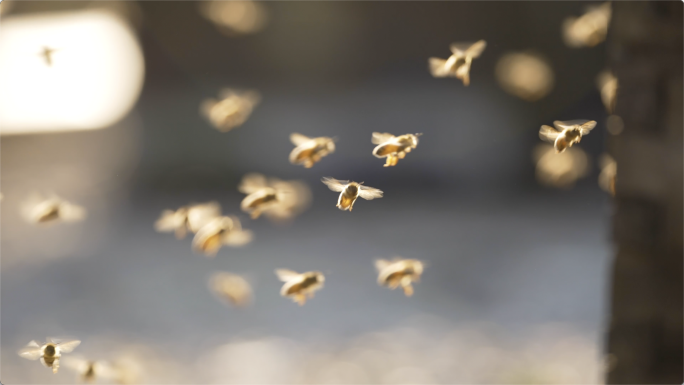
x: 400, y: 272
x: 300, y: 286
x: 393, y: 147
x: 565, y: 134
x: 348, y: 197
x: 312, y: 151
x: 49, y: 354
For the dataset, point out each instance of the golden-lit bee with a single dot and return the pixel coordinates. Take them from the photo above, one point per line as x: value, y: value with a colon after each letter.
x: 218, y: 232
x: 527, y: 75
x: 607, y: 84
x: 350, y: 191
x: 46, y: 54
x: 300, y: 286
x: 399, y: 272
x: 231, y: 288
x: 309, y: 151
x: 234, y: 18
x: 566, y: 133
x: 49, y: 353
x: 608, y: 173
x: 393, y: 147
x: 458, y: 64
x: 90, y: 371
x: 589, y: 29
x: 279, y: 200
x: 231, y: 110
x: 560, y: 170
x: 40, y: 210
x: 191, y: 218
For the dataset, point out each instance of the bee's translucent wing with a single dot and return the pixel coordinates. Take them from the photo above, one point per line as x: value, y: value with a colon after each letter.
x: 548, y: 133
x: 381, y: 137
x: 238, y: 237
x: 168, y: 221
x: 334, y: 184
x: 476, y: 49
x: 562, y: 125
x: 381, y: 264
x: 438, y: 67
x: 588, y: 126
x: 68, y: 346
x: 369, y: 193
x: 32, y: 351
x: 251, y: 183
x: 200, y: 215
x: 286, y: 275
x: 298, y: 139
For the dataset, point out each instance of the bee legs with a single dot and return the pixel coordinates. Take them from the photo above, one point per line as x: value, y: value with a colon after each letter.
x: 402, y: 154
x: 408, y: 290
x: 308, y: 164
x: 300, y: 299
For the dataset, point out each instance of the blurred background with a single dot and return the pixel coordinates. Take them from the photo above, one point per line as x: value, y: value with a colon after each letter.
x: 515, y: 288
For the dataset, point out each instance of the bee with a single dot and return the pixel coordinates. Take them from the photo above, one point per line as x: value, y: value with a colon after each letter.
x: 186, y: 218
x: 231, y: 288
x: 90, y: 371
x: 589, y: 29
x: 309, y: 151
x: 399, y: 272
x: 607, y: 84
x: 566, y: 133
x: 218, y: 232
x: 608, y: 174
x: 393, y: 147
x: 300, y: 286
x: 46, y: 54
x: 232, y: 110
x: 350, y: 191
x: 458, y: 64
x: 40, y: 210
x: 560, y: 170
x: 278, y: 199
x: 49, y: 353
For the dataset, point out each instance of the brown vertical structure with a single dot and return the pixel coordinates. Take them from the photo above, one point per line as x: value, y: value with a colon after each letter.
x: 645, y: 52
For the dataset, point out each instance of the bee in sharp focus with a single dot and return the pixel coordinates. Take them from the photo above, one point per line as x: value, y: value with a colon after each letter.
x: 566, y: 133
x: 399, y: 272
x: 231, y: 288
x: 218, y: 232
x: 300, y: 286
x: 231, y: 110
x: 309, y: 151
x: 393, y: 147
x: 192, y: 218
x: 90, y: 371
x: 458, y: 64
x: 350, y: 191
x: 49, y: 353
x: 40, y: 210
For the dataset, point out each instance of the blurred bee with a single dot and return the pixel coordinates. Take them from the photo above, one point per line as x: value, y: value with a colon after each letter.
x: 192, y: 218
x: 218, y: 232
x: 458, y: 64
x: 566, y: 133
x: 37, y: 209
x: 589, y: 29
x: 393, y: 147
x: 46, y: 54
x: 280, y: 200
x: 350, y: 191
x: 607, y: 84
x: 231, y: 288
x: 49, y: 353
x: 309, y: 151
x: 300, y: 286
x: 399, y: 272
x: 560, y: 170
x: 608, y: 173
x: 90, y: 371
x: 232, y: 110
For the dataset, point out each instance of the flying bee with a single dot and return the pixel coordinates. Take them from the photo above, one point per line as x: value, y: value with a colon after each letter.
x: 231, y: 288
x: 560, y: 170
x: 566, y: 133
x: 458, y: 64
x: 309, y: 151
x: 280, y: 200
x: 608, y: 173
x: 350, y: 191
x: 232, y: 110
x: 192, y: 218
x: 46, y: 54
x: 90, y: 371
x: 40, y: 210
x: 300, y: 286
x: 393, y: 147
x: 218, y: 232
x: 607, y: 84
x: 399, y: 272
x: 589, y: 29
x: 49, y: 353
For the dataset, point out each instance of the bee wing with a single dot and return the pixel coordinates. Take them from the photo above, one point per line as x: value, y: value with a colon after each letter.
x: 32, y: 351
x: 286, y: 275
x: 459, y: 49
x: 369, y: 193
x: 298, y: 139
x: 382, y: 264
x: 381, y: 137
x: 476, y: 49
x: 168, y: 221
x: 437, y: 67
x: 68, y: 346
x: 548, y: 133
x: 238, y: 237
x: 334, y: 184
x: 251, y: 183
x: 588, y: 126
x: 200, y: 215
x: 70, y: 212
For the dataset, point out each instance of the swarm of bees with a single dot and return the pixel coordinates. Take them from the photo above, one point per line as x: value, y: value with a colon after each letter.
x: 48, y: 210
x: 399, y: 272
x: 566, y: 133
x: 231, y: 110
x: 231, y: 288
x: 49, y: 353
x: 298, y: 286
x: 393, y: 147
x: 458, y: 64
